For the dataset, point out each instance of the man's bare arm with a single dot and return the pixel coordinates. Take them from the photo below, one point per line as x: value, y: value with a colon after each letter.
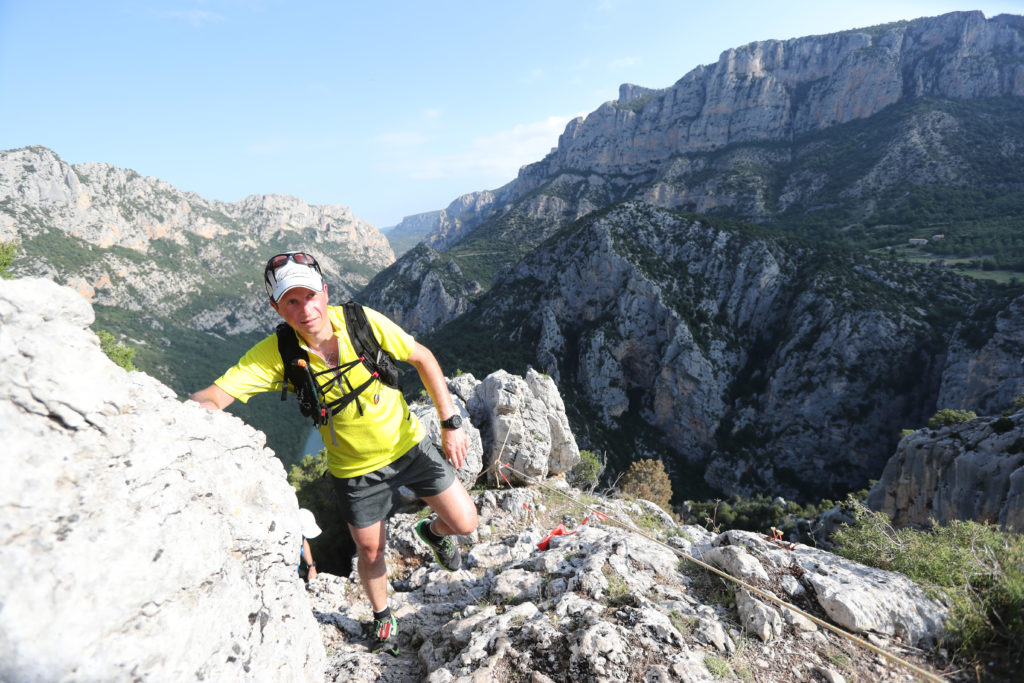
x: 454, y: 442
x: 212, y: 398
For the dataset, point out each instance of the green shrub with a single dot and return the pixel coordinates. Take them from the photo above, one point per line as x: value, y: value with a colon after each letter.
x: 718, y: 667
x: 586, y: 475
x: 8, y: 251
x: 948, y: 416
x: 307, y: 471
x: 116, y: 351
x: 648, y: 479
x: 756, y: 514
x: 974, y: 568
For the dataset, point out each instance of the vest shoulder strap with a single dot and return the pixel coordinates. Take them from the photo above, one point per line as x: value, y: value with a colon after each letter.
x: 297, y: 374
x: 365, y: 343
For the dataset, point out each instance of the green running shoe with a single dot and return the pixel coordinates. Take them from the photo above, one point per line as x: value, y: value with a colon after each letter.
x: 445, y: 552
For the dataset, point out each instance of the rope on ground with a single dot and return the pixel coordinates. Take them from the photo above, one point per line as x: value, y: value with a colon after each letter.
x: 753, y: 589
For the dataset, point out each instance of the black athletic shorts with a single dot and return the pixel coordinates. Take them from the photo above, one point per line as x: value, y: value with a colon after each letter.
x: 369, y: 498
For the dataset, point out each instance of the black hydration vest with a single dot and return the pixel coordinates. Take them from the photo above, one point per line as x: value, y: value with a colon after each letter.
x: 307, y: 385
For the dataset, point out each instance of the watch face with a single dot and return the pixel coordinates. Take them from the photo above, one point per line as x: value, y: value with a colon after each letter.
x: 453, y: 422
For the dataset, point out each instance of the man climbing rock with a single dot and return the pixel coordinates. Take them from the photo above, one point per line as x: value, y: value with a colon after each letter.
x: 374, y: 443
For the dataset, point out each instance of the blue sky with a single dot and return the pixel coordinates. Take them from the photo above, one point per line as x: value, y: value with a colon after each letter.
x: 391, y: 108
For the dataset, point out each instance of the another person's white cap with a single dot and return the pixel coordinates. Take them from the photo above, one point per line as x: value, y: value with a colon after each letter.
x: 308, y: 523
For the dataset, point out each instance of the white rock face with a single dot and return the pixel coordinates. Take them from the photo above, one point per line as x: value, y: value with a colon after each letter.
x: 773, y: 90
x: 106, y: 206
x: 141, y: 538
x: 528, y: 428
x: 521, y: 420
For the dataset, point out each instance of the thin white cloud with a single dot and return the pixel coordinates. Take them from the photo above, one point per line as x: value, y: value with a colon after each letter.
x: 493, y: 157
x: 533, y: 76
x: 401, y: 138
x: 196, y: 17
x: 624, y: 62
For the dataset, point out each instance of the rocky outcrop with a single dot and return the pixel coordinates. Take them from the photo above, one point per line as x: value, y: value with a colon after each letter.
x: 970, y: 471
x: 140, y: 538
x: 621, y: 600
x: 517, y: 427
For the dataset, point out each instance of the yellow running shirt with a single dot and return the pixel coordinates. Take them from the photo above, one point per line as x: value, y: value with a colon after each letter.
x: 367, y: 442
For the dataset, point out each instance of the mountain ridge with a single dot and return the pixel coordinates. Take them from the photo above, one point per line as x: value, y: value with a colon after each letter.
x: 671, y: 146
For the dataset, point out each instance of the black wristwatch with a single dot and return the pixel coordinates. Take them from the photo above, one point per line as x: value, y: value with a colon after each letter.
x: 453, y: 422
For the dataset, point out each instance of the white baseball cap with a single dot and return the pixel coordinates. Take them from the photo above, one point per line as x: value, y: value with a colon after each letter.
x: 298, y: 270
x: 308, y: 523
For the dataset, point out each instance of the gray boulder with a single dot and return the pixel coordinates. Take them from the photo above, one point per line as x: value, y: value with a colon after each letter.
x: 528, y: 428
x: 515, y: 422
x: 427, y: 415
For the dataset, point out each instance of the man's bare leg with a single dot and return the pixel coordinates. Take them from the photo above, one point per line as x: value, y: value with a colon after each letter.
x: 456, y: 511
x: 370, y: 565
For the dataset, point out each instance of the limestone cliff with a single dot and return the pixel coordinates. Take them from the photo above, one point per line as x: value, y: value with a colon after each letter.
x: 971, y: 471
x: 822, y: 135
x: 779, y: 91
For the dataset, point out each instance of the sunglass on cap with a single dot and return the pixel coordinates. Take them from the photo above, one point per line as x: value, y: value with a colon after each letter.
x: 279, y: 261
x: 302, y: 257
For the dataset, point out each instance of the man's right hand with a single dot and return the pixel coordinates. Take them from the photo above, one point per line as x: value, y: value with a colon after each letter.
x: 455, y: 445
